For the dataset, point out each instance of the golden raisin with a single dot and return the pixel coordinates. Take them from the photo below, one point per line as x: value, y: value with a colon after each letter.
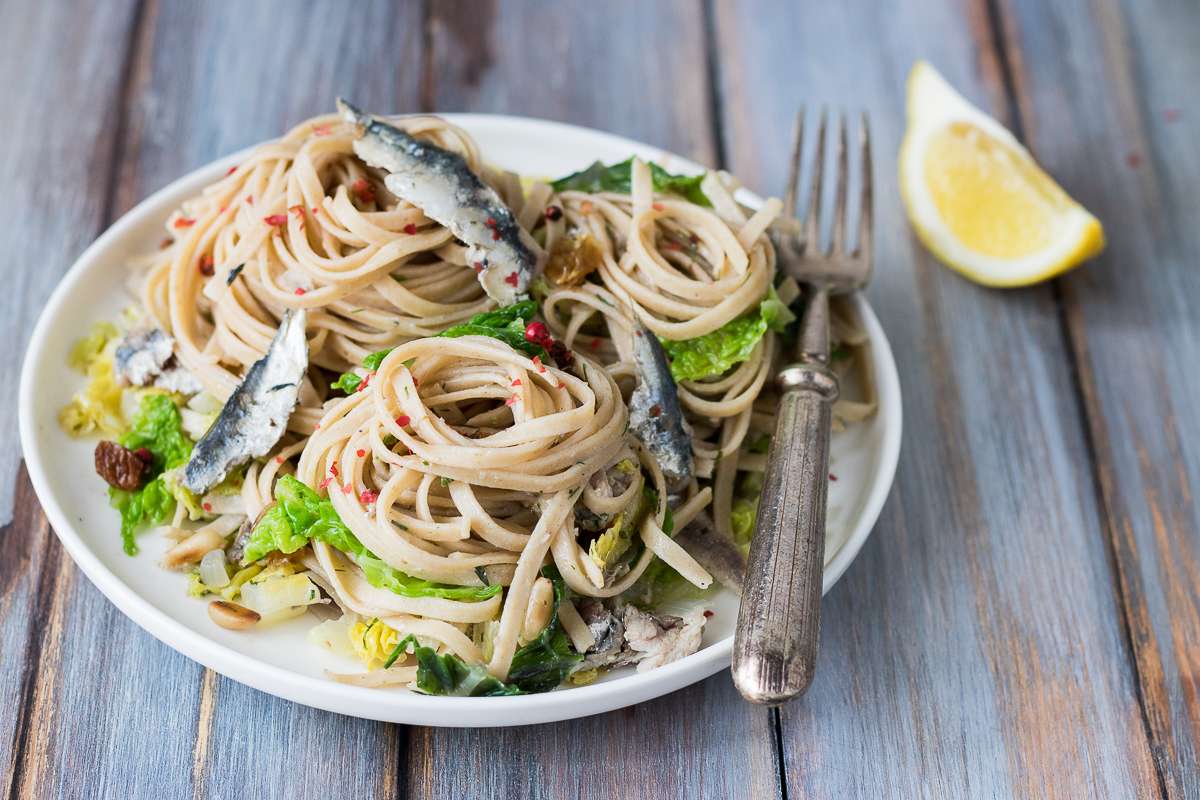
x: 573, y: 258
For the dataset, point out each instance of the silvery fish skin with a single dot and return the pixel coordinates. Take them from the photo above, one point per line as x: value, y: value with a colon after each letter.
x: 142, y: 355
x: 147, y: 357
x: 256, y: 414
x: 440, y: 183
x: 178, y: 379
x: 655, y: 416
x: 713, y: 551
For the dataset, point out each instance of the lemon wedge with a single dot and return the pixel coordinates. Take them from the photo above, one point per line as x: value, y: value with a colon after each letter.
x: 976, y: 197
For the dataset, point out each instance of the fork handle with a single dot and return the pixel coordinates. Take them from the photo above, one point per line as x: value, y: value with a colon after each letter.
x: 775, y: 647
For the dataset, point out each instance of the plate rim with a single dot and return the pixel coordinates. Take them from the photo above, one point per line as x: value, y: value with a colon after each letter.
x: 411, y: 707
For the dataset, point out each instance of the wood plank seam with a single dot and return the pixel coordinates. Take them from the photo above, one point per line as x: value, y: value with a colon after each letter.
x: 428, y: 90
x: 716, y: 111
x: 398, y: 774
x: 777, y: 731
x: 395, y: 776
x: 124, y: 104
x: 1082, y: 385
x: 1121, y: 551
x: 716, y: 99
x: 40, y: 705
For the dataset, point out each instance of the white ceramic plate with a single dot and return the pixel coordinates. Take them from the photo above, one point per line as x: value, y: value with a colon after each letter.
x: 280, y: 660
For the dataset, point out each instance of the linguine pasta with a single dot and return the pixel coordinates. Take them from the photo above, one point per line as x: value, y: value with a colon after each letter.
x: 473, y: 493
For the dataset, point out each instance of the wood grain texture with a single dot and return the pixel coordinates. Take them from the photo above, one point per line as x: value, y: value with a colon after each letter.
x: 1130, y: 82
x: 637, y: 69
x: 633, y: 68
x: 61, y: 120
x: 109, y: 711
x: 975, y: 648
x: 305, y: 752
x: 31, y: 560
x: 700, y: 743
x: 1035, y: 574
x: 56, y: 179
x: 205, y: 80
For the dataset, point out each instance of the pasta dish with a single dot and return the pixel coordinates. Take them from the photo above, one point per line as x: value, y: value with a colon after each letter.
x: 492, y: 433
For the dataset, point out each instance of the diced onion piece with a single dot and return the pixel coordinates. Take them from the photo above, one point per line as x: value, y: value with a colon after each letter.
x: 283, y: 614
x: 223, y: 503
x: 280, y: 598
x: 212, y: 569
x: 131, y: 401
x: 199, y: 414
x: 333, y: 635
x: 204, y: 403
x: 194, y: 423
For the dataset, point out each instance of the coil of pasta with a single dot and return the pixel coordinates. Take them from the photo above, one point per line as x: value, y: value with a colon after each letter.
x: 684, y: 271
x: 303, y: 223
x: 463, y: 455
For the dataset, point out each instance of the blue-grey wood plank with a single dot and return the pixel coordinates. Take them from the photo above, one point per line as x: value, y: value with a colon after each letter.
x: 975, y: 649
x: 702, y: 742
x: 207, y: 79
x: 113, y: 713
x: 972, y: 651
x: 29, y: 563
x: 637, y: 69
x: 60, y: 118
x: 255, y: 745
x: 628, y: 67
x: 1125, y: 76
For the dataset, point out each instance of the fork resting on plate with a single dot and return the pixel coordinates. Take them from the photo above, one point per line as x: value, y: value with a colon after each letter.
x: 775, y: 647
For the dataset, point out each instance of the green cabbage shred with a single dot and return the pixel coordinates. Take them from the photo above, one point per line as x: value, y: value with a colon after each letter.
x: 449, y: 675
x: 539, y: 666
x: 300, y: 515
x: 545, y: 662
x: 714, y: 353
x: 158, y: 427
x: 609, y: 549
x: 742, y: 517
x: 618, y: 178
x: 744, y: 512
x: 506, y: 324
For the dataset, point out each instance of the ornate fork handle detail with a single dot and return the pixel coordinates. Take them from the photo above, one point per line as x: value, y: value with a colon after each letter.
x: 775, y: 650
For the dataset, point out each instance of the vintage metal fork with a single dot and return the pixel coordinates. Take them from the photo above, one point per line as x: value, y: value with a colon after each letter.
x: 775, y: 649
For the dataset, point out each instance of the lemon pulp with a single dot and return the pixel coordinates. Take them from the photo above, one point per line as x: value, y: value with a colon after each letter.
x: 988, y: 210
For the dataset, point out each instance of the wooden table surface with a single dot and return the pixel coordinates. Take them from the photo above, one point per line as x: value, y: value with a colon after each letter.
x: 1025, y: 620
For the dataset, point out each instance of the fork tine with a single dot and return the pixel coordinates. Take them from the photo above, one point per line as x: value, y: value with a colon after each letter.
x: 812, y: 225
x: 837, y: 235
x: 863, y: 247
x: 793, y: 181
